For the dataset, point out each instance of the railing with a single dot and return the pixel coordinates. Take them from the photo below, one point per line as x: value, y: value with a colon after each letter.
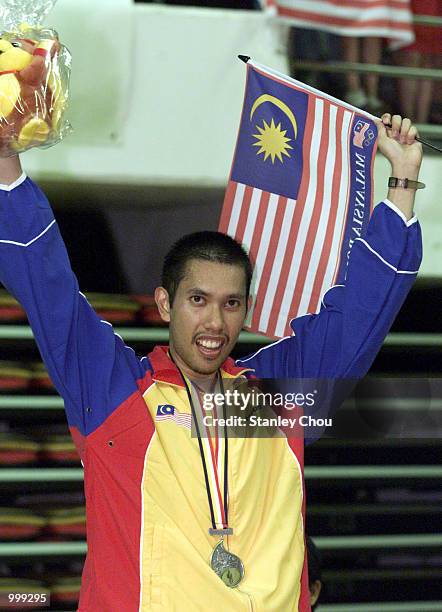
x: 161, y: 334
x: 406, y: 606
x: 433, y: 74
x: 346, y: 472
x: 430, y: 540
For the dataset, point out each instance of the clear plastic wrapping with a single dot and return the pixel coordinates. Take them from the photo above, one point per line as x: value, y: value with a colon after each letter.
x: 15, y: 12
x: 34, y: 78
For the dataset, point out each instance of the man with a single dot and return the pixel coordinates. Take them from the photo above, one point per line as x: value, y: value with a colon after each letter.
x: 314, y: 572
x: 184, y: 523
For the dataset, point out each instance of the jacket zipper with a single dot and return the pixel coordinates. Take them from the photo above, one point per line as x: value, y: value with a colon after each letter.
x: 251, y: 602
x: 250, y: 599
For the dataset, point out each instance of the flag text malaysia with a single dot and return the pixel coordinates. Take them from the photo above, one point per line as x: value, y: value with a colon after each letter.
x: 299, y: 194
x: 391, y: 19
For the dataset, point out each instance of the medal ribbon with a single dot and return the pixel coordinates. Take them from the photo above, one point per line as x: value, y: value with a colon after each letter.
x: 221, y: 518
x: 212, y: 450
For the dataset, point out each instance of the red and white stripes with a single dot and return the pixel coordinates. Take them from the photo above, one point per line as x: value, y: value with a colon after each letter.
x: 390, y: 19
x: 296, y: 244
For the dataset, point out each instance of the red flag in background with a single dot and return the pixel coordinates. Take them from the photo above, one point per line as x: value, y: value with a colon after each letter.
x: 391, y: 19
x: 300, y: 193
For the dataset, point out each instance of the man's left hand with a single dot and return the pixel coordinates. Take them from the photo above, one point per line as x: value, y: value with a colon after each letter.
x: 399, y: 145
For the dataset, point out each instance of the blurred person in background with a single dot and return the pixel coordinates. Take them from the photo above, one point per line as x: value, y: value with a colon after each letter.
x: 436, y: 106
x: 415, y: 95
x: 363, y: 28
x: 314, y: 45
x: 362, y: 90
x: 314, y: 572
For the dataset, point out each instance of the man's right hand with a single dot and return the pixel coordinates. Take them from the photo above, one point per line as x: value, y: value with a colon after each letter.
x: 10, y: 169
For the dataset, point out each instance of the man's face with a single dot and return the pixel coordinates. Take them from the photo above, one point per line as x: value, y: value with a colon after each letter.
x: 206, y: 317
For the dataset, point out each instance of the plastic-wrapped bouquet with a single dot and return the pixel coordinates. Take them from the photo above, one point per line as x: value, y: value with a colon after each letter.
x: 34, y: 78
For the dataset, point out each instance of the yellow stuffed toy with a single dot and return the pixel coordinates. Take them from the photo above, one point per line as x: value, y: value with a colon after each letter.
x: 32, y: 93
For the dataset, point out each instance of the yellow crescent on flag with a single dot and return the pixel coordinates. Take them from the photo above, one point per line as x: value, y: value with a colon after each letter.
x: 280, y: 104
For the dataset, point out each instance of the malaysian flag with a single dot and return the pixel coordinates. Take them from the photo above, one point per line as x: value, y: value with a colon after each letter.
x: 167, y: 412
x: 300, y: 193
x: 391, y: 19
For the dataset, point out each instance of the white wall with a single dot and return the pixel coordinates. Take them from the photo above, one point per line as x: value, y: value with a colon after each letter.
x: 156, y: 100
x: 179, y: 101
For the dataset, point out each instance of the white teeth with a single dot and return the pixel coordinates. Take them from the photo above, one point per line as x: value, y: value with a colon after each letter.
x: 210, y: 344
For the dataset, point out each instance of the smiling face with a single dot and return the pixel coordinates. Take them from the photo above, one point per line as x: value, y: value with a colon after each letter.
x: 206, y: 317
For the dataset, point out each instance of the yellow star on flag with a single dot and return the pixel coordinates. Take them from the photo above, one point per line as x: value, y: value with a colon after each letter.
x: 273, y: 141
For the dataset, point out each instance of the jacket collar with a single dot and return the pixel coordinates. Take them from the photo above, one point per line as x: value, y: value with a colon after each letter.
x: 164, y: 370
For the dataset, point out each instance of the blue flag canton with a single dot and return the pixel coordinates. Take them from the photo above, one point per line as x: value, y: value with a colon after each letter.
x: 165, y: 410
x: 270, y: 142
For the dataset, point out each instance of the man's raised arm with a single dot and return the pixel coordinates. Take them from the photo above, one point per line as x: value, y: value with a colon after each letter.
x: 404, y: 153
x: 89, y: 365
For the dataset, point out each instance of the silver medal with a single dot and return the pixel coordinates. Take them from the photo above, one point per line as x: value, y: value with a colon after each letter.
x: 226, y: 565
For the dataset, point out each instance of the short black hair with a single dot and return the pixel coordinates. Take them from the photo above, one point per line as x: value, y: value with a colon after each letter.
x: 205, y: 246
